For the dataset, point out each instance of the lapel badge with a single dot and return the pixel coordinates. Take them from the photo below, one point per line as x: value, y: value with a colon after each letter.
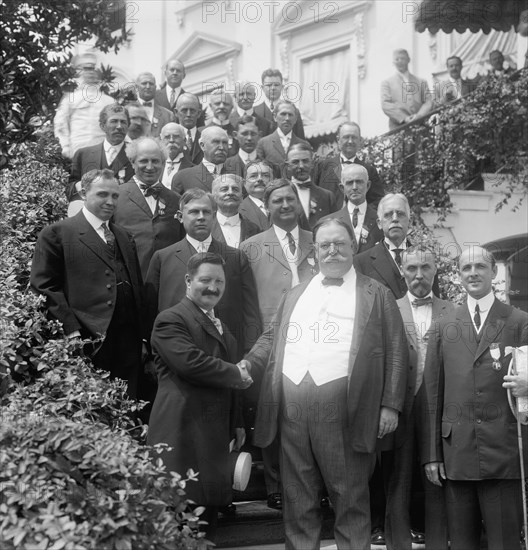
x: 495, y: 355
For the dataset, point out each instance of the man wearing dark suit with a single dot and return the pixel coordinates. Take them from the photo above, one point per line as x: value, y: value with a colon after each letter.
x: 245, y: 94
x: 87, y: 268
x: 455, y: 86
x: 229, y: 227
x: 330, y: 413
x: 356, y: 213
x: 195, y: 411
x: 171, y: 90
x: 496, y: 60
x: 145, y: 207
x: 404, y: 96
x: 316, y: 202
x: 274, y: 148
x: 272, y: 86
x: 188, y: 109
x: 419, y: 309
x: 165, y: 281
x: 383, y: 261
x: 158, y: 115
x: 328, y: 170
x: 258, y: 176
x: 173, y: 137
x: 221, y: 105
x: 247, y: 136
x: 110, y: 154
x: 471, y: 446
x: 214, y: 144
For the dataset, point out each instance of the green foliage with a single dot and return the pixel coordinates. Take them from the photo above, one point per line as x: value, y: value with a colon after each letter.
x: 37, y: 40
x: 73, y: 470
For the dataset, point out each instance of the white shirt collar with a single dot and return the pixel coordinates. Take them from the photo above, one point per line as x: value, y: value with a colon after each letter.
x: 405, y: 76
x: 242, y: 112
x: 231, y: 220
x: 92, y: 219
x: 412, y: 297
x: 296, y: 182
x: 392, y: 246
x: 177, y: 159
x: 484, y: 303
x: 362, y: 207
x: 258, y: 202
x: 281, y: 234
x: 283, y: 136
x: 210, y: 166
x: 169, y: 91
x: 344, y: 159
x: 197, y: 245
x: 247, y: 156
x: 226, y: 122
x: 455, y: 80
x: 107, y: 146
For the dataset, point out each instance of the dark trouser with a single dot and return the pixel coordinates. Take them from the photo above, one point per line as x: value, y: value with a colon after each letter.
x: 496, y: 502
x: 402, y: 469
x: 316, y: 450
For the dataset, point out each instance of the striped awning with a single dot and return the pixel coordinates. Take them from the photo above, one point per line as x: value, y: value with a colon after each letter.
x: 472, y: 15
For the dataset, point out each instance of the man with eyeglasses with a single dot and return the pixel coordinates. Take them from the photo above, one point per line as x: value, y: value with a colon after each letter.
x: 332, y: 388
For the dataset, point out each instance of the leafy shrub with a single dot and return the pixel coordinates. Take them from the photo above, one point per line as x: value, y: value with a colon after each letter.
x: 73, y: 470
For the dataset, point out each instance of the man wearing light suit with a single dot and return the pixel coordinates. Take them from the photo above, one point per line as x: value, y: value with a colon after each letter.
x: 278, y: 265
x: 146, y: 208
x: 113, y: 121
x: 356, y: 213
x: 214, y: 144
x: 419, y: 309
x: 259, y: 175
x: 330, y: 413
x: 404, y: 96
x: 274, y: 148
x: 87, y: 268
x: 165, y: 281
x: 471, y: 446
x: 158, y: 115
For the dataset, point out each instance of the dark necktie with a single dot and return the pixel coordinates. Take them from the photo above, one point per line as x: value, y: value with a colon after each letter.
x: 332, y: 281
x: 347, y: 162
x: 417, y: 302
x: 189, y: 140
x: 291, y: 243
x: 147, y: 104
x: 172, y: 98
x: 476, y: 318
x: 271, y: 106
x: 109, y: 236
x: 151, y: 190
x: 397, y: 256
x: 355, y: 214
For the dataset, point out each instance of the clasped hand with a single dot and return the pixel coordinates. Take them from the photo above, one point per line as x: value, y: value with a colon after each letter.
x: 244, y: 367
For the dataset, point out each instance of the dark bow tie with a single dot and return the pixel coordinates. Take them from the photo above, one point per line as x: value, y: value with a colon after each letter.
x: 147, y: 104
x: 303, y: 185
x: 347, y: 162
x: 332, y: 281
x: 417, y: 302
x: 153, y: 190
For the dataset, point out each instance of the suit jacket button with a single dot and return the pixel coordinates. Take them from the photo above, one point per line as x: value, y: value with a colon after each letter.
x: 477, y: 363
x: 283, y: 290
x: 285, y: 273
x: 107, y: 272
x: 109, y: 303
x: 109, y: 286
x: 412, y: 347
x: 479, y: 421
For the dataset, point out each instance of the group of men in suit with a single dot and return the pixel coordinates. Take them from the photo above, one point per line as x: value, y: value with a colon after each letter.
x: 177, y: 254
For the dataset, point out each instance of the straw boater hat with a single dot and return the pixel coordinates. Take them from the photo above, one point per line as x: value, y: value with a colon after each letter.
x: 240, y: 468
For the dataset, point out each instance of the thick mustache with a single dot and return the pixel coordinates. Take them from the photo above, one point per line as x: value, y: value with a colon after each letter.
x: 211, y: 293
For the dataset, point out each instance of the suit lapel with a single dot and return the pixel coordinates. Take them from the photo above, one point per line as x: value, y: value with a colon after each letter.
x: 385, y: 266
x: 492, y: 328
x: 271, y: 245
x: 100, y: 157
x: 203, y: 321
x: 469, y: 336
x: 278, y: 144
x: 216, y: 232
x: 89, y: 238
x: 136, y: 196
x: 305, y: 246
x: 408, y: 320
x: 364, y: 304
